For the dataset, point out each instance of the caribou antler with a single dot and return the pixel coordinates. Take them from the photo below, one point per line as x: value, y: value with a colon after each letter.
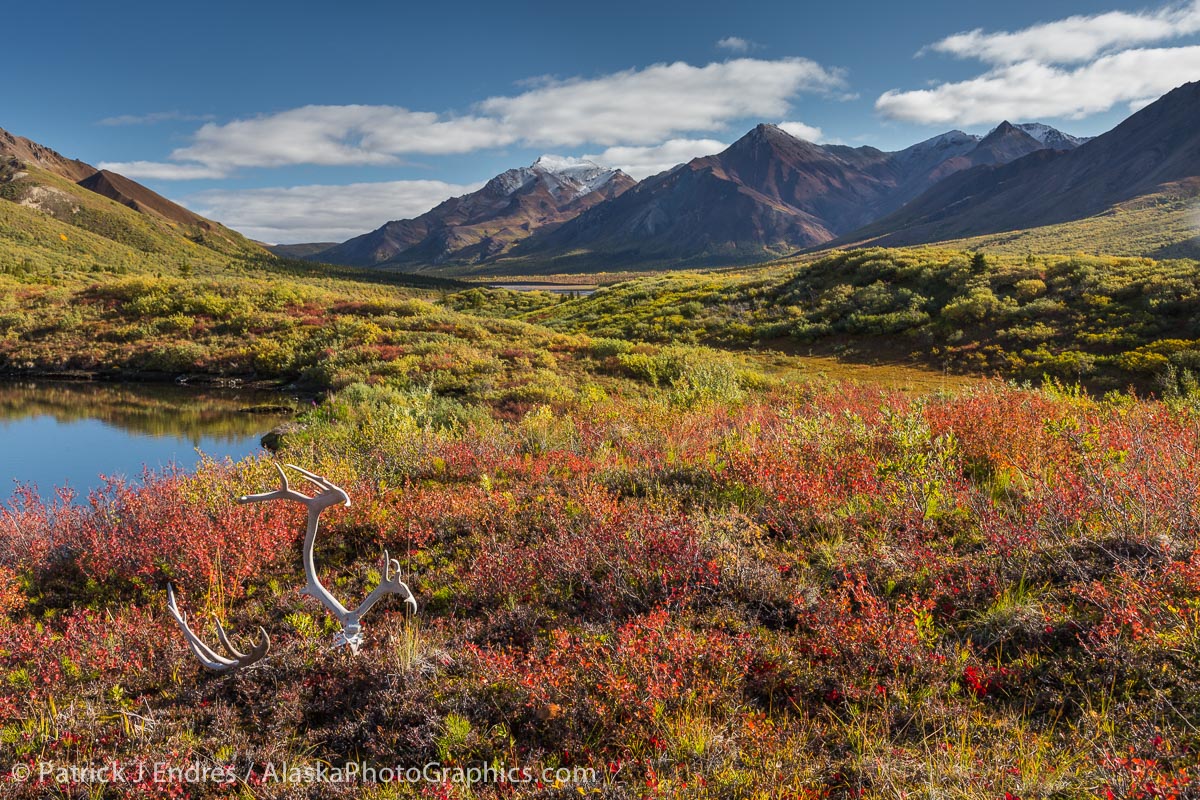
x: 210, y: 659
x: 331, y: 495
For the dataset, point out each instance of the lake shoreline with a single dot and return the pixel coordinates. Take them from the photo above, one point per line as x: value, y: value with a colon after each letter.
x: 149, y: 377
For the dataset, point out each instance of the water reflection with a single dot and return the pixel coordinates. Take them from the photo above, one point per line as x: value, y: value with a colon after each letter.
x: 53, y: 434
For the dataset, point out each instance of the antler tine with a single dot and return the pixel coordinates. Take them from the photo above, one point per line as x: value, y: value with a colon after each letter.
x: 284, y: 492
x: 205, y: 654
x: 324, y: 484
x: 202, y: 651
x: 283, y: 479
x: 312, y: 478
x: 391, y: 574
x: 223, y: 638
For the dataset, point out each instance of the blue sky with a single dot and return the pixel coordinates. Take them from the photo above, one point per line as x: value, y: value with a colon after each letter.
x: 296, y: 123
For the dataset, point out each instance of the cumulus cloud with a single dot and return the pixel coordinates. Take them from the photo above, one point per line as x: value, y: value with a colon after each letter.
x: 163, y: 171
x: 646, y: 106
x: 338, y: 135
x: 642, y: 162
x: 1071, y: 67
x: 635, y: 107
x: 318, y: 213
x: 736, y: 44
x: 153, y: 118
x: 1030, y: 90
x: 1074, y: 39
x: 809, y: 133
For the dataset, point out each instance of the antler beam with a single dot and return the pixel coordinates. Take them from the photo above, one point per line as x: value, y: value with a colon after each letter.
x: 331, y: 495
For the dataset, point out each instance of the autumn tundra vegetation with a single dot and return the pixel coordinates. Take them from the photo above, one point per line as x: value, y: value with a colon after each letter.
x: 646, y: 540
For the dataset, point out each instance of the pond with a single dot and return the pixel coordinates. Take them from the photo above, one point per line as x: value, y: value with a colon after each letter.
x: 56, y: 434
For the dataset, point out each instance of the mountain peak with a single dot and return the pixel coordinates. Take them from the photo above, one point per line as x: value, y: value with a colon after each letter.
x: 28, y: 151
x: 770, y: 132
x: 1052, y: 137
x: 1005, y: 128
x: 485, y: 223
x: 563, y: 164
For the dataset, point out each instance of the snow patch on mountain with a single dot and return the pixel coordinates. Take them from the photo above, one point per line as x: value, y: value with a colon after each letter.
x: 936, y: 149
x: 1052, y: 137
x: 565, y: 178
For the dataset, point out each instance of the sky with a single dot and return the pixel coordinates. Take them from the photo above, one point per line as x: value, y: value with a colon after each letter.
x: 295, y: 122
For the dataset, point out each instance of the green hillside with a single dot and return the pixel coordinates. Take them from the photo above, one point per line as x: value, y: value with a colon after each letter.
x: 1165, y: 224
x: 1107, y: 321
x: 44, y: 194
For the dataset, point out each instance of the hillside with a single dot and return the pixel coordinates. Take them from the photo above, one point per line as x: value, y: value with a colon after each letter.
x: 1161, y: 224
x: 1155, y: 150
x: 300, y: 250
x: 109, y: 205
x: 1108, y: 322
x: 27, y: 151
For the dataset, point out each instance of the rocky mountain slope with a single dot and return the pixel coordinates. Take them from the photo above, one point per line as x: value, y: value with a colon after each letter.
x: 1156, y: 150
x: 36, y: 178
x: 484, y: 224
x: 768, y: 194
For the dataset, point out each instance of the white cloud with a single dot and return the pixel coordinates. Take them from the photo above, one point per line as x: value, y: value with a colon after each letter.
x: 338, y: 135
x: 161, y: 171
x: 636, y: 107
x: 153, y: 117
x: 736, y: 44
x: 321, y: 213
x: 809, y: 133
x: 1032, y: 90
x: 1072, y: 67
x: 642, y: 162
x: 1074, y: 39
x: 646, y: 106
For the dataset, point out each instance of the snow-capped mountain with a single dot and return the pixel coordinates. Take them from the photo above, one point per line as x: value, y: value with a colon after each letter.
x: 565, y: 178
x: 1052, y: 137
x: 485, y: 223
x: 935, y: 150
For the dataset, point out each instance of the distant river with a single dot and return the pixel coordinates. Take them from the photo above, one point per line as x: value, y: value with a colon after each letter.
x: 56, y: 434
x: 581, y: 289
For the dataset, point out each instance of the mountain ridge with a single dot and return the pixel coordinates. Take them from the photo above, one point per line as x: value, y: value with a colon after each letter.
x: 106, y: 203
x: 1155, y: 147
x: 767, y: 194
x: 485, y: 223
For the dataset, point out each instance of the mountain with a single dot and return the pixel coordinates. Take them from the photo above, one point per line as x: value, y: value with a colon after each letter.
x: 1156, y: 151
x: 26, y: 151
x: 133, y: 195
x: 1051, y: 137
x: 36, y: 179
x: 484, y: 224
x: 767, y: 195
x: 768, y: 192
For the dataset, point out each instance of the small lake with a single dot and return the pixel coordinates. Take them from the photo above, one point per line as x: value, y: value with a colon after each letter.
x: 56, y: 434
